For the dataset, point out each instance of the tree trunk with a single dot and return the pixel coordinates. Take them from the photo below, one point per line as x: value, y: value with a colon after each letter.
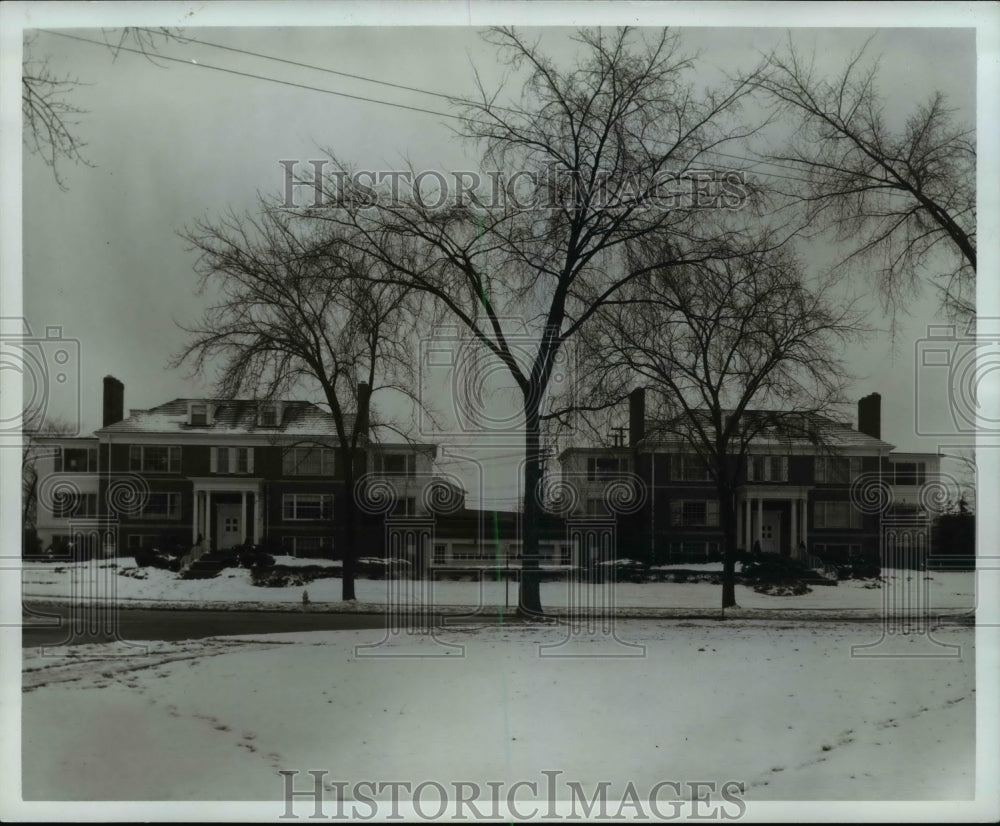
x: 350, y: 529
x: 530, y: 602
x: 727, y: 514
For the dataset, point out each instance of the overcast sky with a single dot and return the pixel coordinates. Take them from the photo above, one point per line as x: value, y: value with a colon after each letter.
x: 173, y: 142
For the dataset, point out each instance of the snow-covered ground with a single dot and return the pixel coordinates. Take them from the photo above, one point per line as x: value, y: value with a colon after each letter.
x: 938, y: 592
x: 783, y: 708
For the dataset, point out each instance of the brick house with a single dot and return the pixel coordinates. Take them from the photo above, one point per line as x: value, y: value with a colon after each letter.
x: 221, y: 473
x: 794, y: 498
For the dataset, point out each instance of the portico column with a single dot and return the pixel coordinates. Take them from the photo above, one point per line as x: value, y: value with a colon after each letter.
x: 747, y: 533
x: 760, y: 517
x: 195, y: 516
x: 805, y: 524
x: 795, y: 533
x: 258, y: 514
x: 245, y: 515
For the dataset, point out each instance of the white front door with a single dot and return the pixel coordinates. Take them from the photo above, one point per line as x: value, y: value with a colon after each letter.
x: 229, y: 526
x: 770, y: 532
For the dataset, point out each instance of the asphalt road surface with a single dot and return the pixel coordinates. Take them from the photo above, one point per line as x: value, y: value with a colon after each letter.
x: 48, y: 624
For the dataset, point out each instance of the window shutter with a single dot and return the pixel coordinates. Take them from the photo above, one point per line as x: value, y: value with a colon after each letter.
x: 134, y: 457
x: 232, y: 466
x: 249, y: 451
x: 58, y: 460
x: 784, y: 469
x: 855, y: 468
x: 820, y: 469
x: 676, y: 509
x: 213, y: 461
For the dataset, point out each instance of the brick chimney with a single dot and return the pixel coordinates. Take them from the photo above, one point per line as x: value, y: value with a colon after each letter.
x: 114, y: 401
x: 363, y: 422
x: 636, y: 416
x: 870, y: 415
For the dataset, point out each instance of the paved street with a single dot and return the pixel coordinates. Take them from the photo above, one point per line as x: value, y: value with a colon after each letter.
x: 47, y: 624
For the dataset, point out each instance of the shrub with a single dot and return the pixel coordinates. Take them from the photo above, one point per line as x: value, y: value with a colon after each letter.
x: 774, y: 568
x: 779, y: 589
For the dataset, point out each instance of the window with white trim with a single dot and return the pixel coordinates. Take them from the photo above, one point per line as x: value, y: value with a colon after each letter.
x: 689, y: 467
x: 405, y: 506
x: 232, y: 460
x: 605, y: 468
x: 161, y: 505
x: 306, y: 507
x: 767, y: 468
x: 154, y: 458
x: 80, y: 505
x: 396, y: 464
x: 837, y: 470
x: 268, y: 415
x: 702, y: 513
x: 836, y: 515
x: 907, y: 473
x: 199, y: 415
x: 597, y: 507
x: 76, y: 460
x: 309, y: 461
x: 440, y: 552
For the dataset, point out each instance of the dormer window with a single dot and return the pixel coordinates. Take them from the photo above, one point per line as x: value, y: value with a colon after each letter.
x: 267, y: 415
x: 198, y: 414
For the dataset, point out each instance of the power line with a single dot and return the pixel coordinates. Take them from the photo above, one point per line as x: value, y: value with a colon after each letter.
x: 193, y: 62
x: 756, y: 162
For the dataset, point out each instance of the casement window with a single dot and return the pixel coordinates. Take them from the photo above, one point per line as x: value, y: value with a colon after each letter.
x: 232, y: 460
x: 836, y: 515
x: 76, y: 460
x: 396, y: 464
x: 307, y: 507
x: 309, y: 461
x: 199, y: 414
x: 702, y: 513
x: 767, y: 468
x: 440, y: 552
x: 80, y: 505
x: 165, y: 505
x: 837, y: 470
x: 908, y: 473
x: 689, y: 467
x: 154, y: 459
x: 405, y: 506
x: 605, y: 468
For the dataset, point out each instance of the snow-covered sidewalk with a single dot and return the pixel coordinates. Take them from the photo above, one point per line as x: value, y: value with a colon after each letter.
x: 786, y: 710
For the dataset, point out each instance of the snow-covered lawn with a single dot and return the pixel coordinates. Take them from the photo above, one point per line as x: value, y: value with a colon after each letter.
x: 948, y: 592
x: 783, y: 708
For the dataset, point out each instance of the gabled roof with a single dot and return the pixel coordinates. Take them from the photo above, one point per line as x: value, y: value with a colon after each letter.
x: 776, y: 428
x: 231, y: 416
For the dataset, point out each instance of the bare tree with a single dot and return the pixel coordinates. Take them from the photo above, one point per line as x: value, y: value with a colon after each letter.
x: 51, y: 118
x: 297, y: 308
x: 586, y: 163
x: 897, y: 197
x: 34, y: 449
x: 730, y: 351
